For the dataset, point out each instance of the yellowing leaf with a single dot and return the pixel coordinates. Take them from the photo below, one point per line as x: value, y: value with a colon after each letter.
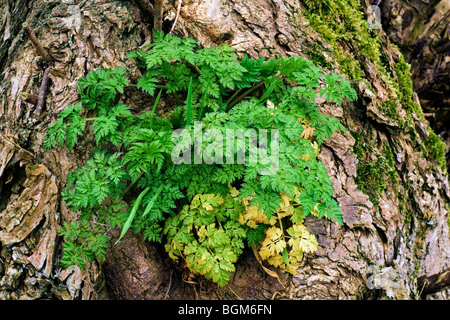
x: 246, y: 201
x: 207, y: 206
x: 297, y: 193
x: 305, y: 122
x: 209, y: 201
x: 278, y: 261
x: 301, y: 240
x: 309, y: 243
x: 316, y: 148
x: 233, y: 191
x: 173, y: 253
x: 285, y: 208
x: 253, y: 216
x: 201, y: 233
x: 297, y: 217
x: 195, y: 203
x: 241, y: 219
x: 205, y: 263
x: 273, y: 244
x: 295, y: 257
x: 315, y: 211
x: 308, y: 131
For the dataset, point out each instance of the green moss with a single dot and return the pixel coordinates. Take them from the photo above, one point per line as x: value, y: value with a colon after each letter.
x: 403, y: 72
x: 364, y: 143
x: 340, y: 23
x: 371, y: 179
x: 416, y: 108
x: 434, y: 148
x: 389, y: 109
x: 389, y: 156
x: 343, y: 25
x: 374, y: 177
x: 419, y: 238
x: 405, y: 88
x: 348, y: 64
x: 316, y: 56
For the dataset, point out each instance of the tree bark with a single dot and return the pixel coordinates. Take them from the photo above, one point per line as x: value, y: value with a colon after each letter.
x: 421, y: 31
x: 385, y: 246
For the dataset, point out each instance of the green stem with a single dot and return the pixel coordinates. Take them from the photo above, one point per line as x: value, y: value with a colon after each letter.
x: 202, y: 107
x: 245, y: 94
x: 190, y: 65
x: 154, y: 108
x: 234, y: 96
x: 189, y: 105
x: 281, y: 227
x: 132, y: 184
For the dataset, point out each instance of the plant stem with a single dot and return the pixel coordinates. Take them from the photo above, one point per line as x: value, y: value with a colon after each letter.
x: 176, y: 17
x: 36, y: 42
x: 132, y: 184
x: 189, y: 105
x: 246, y: 93
x: 202, y: 107
x: 154, y: 109
x: 433, y: 283
x: 281, y: 227
x: 42, y: 91
x: 234, y: 96
x: 192, y: 66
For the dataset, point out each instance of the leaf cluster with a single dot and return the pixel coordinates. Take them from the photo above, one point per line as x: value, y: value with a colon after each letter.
x: 83, y: 242
x: 132, y: 181
x: 282, y: 239
x: 207, y: 236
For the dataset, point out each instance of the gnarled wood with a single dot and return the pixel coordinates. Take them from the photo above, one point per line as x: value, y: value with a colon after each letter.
x: 399, y: 240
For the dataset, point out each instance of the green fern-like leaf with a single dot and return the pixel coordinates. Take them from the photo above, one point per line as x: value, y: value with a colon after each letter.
x: 266, y: 170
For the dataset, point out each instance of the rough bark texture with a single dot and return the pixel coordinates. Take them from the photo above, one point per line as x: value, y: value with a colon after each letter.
x: 380, y: 250
x: 422, y: 31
